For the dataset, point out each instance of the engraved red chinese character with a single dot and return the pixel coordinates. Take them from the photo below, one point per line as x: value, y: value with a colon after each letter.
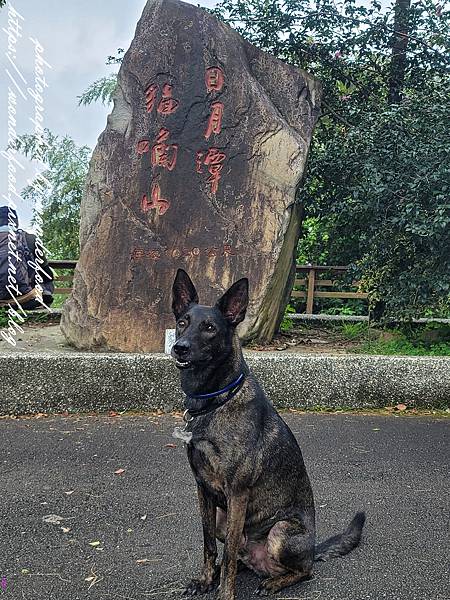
x: 215, y: 119
x: 167, y: 105
x: 146, y: 204
x: 137, y: 253
x: 154, y: 254
x: 213, y: 160
x: 214, y: 79
x: 143, y: 146
x: 150, y: 96
x: 228, y: 250
x: 160, y: 204
x: 164, y: 155
x: 211, y: 252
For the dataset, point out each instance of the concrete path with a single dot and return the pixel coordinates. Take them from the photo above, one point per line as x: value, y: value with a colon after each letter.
x: 74, y: 525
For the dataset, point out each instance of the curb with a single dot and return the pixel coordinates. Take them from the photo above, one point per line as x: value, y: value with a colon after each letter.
x: 44, y: 382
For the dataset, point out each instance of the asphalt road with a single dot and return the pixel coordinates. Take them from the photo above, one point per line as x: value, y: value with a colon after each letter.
x: 136, y: 535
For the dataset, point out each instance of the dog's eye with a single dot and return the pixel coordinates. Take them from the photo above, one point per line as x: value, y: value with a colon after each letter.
x: 209, y: 328
x: 181, y: 323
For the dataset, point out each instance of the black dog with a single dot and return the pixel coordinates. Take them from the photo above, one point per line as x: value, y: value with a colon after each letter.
x: 253, y: 489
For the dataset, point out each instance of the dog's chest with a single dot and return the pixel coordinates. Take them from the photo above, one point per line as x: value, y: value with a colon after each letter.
x: 207, y: 464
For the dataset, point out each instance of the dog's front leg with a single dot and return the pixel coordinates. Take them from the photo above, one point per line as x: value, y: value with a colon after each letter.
x: 209, y: 576
x: 236, y: 510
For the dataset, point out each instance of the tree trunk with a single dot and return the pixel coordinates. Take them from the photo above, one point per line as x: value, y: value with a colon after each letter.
x: 399, y: 45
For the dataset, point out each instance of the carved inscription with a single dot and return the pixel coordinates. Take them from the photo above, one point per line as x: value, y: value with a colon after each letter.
x: 226, y: 250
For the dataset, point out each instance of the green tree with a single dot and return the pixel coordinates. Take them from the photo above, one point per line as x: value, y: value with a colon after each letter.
x: 102, y: 89
x: 56, y: 192
x: 377, y: 182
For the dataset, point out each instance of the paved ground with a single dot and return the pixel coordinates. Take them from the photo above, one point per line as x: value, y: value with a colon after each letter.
x: 136, y: 535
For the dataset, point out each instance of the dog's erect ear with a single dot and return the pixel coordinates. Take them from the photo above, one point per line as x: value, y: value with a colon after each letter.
x: 183, y: 293
x: 234, y: 302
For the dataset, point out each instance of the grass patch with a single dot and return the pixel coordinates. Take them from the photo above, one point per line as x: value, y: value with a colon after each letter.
x: 402, y: 347
x: 432, y: 339
x: 36, y: 317
x: 408, y: 339
x: 353, y: 331
x: 287, y: 324
x: 58, y: 300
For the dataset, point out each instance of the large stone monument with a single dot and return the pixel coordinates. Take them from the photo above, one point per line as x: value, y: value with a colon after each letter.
x: 197, y: 168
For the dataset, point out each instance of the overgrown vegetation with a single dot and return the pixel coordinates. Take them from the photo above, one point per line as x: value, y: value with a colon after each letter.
x: 377, y: 185
x: 56, y: 193
x: 287, y: 324
x: 432, y: 339
x: 102, y: 89
x: 353, y: 331
x: 403, y: 347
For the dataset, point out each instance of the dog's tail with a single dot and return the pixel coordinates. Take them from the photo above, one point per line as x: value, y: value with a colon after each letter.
x: 342, y: 544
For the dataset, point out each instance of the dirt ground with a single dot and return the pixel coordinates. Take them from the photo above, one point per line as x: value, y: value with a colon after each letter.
x: 37, y: 337
x: 310, y: 339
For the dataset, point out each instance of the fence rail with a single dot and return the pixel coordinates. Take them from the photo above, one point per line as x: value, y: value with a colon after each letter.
x: 313, y: 283
x: 66, y: 265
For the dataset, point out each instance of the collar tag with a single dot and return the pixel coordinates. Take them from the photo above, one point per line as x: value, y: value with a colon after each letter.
x: 182, y: 434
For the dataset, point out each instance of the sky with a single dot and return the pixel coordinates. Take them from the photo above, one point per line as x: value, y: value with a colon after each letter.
x: 72, y: 41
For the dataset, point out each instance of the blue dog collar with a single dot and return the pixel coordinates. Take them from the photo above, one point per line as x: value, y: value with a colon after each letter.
x: 229, y: 387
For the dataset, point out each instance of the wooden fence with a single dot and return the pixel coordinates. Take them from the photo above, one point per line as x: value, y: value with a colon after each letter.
x: 308, y: 276
x: 64, y: 278
x: 313, y: 284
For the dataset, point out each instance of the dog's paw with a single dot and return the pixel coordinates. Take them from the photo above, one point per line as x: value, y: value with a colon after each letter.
x: 264, y: 588
x: 199, y: 586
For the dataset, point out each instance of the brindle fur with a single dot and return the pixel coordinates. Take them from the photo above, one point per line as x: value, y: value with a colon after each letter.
x: 253, y: 488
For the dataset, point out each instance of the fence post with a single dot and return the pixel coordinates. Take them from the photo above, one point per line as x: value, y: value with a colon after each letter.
x: 310, y: 296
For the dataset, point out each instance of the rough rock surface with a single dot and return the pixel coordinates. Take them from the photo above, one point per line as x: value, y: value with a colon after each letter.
x: 198, y: 168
